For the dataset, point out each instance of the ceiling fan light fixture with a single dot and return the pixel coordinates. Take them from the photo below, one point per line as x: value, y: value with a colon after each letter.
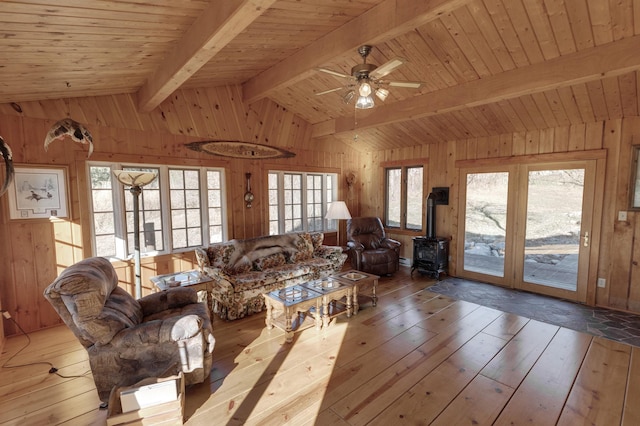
x: 382, y: 93
x: 365, y: 88
x: 346, y: 98
x: 365, y: 102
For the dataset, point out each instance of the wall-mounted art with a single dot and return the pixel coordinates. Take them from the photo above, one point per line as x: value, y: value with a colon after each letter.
x: 38, y: 192
x: 238, y: 149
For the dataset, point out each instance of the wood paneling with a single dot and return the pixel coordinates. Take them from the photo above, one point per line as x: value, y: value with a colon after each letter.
x: 113, y: 49
x: 618, y: 249
x: 37, y: 250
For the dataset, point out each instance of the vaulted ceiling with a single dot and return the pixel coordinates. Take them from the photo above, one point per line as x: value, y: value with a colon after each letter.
x: 488, y: 66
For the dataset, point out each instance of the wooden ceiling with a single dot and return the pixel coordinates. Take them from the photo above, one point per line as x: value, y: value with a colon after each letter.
x: 489, y: 66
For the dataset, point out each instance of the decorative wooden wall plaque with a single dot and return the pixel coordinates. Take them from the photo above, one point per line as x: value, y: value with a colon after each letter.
x: 238, y: 149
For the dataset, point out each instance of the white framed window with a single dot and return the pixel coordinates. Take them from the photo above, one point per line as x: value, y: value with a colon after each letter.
x: 181, y: 209
x: 298, y: 201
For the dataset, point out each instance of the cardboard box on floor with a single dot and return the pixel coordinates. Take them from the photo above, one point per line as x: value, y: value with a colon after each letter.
x: 169, y: 413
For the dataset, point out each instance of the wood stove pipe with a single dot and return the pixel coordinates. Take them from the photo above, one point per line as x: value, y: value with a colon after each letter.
x: 431, y: 215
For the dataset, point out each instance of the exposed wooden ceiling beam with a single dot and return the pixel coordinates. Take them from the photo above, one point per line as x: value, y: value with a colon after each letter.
x: 218, y: 24
x: 387, y: 20
x: 607, y: 60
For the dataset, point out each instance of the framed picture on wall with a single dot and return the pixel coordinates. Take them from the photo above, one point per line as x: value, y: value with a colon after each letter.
x: 38, y: 192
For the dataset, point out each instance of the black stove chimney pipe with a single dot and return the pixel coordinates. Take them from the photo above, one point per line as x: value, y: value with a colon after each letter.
x: 431, y: 215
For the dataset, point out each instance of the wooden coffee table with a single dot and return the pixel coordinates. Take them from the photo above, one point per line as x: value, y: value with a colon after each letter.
x: 364, y: 284
x: 333, y: 291
x: 291, y: 300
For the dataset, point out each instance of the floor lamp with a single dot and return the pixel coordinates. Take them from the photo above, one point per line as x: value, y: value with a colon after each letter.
x: 338, y: 210
x: 136, y: 180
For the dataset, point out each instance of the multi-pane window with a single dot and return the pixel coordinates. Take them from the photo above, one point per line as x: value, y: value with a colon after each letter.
x: 314, y: 202
x: 292, y: 202
x: 298, y: 201
x: 404, y: 197
x: 151, y: 230
x: 174, y: 201
x: 214, y: 201
x: 104, y: 226
x: 184, y: 187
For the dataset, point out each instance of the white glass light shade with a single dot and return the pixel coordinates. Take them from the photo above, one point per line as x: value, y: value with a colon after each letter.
x: 382, y: 93
x: 338, y: 210
x: 348, y: 96
x: 134, y: 178
x: 365, y: 102
x: 365, y: 88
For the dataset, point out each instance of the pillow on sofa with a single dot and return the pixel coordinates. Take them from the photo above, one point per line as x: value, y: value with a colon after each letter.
x: 219, y: 254
x: 242, y: 266
x: 317, y: 238
x: 304, y: 248
x: 270, y: 261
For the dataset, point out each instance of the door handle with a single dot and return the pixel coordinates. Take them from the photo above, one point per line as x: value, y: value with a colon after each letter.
x: 586, y: 239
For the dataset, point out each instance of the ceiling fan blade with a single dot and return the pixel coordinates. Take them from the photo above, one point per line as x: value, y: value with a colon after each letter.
x: 329, y: 91
x: 407, y: 84
x: 387, y: 67
x: 336, y: 73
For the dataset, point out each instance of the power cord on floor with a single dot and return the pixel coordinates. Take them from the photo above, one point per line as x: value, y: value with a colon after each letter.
x: 52, y: 369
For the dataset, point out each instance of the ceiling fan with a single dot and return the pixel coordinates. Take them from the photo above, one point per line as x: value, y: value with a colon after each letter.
x: 368, y: 79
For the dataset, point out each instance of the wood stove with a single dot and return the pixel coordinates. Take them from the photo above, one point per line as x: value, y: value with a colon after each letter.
x: 431, y: 253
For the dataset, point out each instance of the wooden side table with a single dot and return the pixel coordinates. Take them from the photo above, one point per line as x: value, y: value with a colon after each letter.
x: 364, y: 284
x: 333, y: 291
x: 291, y: 300
x: 195, y: 279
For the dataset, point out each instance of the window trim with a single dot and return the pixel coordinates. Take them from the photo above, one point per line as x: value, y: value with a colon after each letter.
x: 119, y: 213
x: 403, y: 166
x: 327, y: 225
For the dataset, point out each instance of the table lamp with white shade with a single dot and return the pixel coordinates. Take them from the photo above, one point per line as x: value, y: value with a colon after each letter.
x: 338, y: 210
x: 136, y: 180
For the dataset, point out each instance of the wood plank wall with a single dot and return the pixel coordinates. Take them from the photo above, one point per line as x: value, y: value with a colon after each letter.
x: 35, y: 251
x: 619, y: 251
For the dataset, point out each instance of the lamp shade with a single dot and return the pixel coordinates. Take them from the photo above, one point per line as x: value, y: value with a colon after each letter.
x: 338, y: 210
x: 134, y: 178
x: 365, y: 102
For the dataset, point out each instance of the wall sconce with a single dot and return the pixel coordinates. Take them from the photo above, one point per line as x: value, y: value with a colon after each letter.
x: 248, y: 196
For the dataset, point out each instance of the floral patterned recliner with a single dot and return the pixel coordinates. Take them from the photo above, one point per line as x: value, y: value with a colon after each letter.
x: 128, y: 339
x: 243, y: 270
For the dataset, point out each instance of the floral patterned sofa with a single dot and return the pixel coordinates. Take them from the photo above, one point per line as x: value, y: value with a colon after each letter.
x: 242, y: 270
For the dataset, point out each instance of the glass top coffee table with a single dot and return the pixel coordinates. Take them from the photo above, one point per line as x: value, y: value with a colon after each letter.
x: 333, y: 292
x: 283, y: 304
x: 364, y: 284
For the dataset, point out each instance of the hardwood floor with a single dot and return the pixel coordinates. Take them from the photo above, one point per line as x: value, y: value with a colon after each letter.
x: 416, y: 358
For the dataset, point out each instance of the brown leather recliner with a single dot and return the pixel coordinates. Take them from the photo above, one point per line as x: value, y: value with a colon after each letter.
x: 371, y: 250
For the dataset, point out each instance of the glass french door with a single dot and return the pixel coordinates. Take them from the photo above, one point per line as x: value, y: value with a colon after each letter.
x: 528, y: 227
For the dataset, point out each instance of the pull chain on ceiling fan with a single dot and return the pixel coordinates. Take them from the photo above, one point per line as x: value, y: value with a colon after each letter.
x: 367, y: 80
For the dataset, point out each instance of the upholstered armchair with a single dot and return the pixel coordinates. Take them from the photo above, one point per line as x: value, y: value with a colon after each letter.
x: 128, y: 339
x: 371, y: 250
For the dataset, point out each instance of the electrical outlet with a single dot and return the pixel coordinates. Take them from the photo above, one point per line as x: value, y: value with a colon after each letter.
x: 622, y: 216
x: 6, y: 314
x: 602, y: 283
